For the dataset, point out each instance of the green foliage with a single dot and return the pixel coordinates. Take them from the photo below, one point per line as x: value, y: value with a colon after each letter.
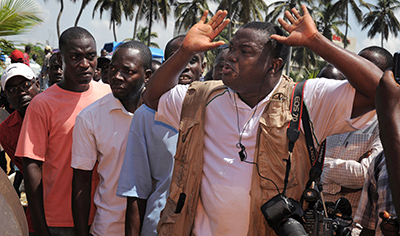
x: 328, y: 18
x: 243, y: 11
x: 36, y: 49
x: 279, y: 7
x: 6, y: 46
x: 343, y: 8
x: 188, y: 13
x: 381, y: 19
x: 18, y: 16
x: 116, y: 8
x: 143, y: 36
x: 155, y: 10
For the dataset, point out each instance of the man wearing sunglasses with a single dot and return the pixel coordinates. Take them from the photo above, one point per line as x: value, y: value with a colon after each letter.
x: 20, y: 86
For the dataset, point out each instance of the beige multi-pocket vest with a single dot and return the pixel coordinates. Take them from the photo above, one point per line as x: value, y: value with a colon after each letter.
x: 271, y: 149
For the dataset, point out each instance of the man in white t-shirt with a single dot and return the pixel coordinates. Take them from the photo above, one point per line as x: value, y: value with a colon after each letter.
x: 248, y: 119
x: 99, y: 139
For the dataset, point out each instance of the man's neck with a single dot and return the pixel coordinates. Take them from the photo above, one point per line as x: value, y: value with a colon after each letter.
x: 259, y: 93
x: 132, y: 103
x: 73, y: 87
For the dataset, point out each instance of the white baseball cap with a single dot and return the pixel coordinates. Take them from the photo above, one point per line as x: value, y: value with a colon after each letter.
x: 16, y: 69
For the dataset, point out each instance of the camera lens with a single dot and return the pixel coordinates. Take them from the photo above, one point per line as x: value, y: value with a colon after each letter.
x: 310, y: 195
x: 292, y: 227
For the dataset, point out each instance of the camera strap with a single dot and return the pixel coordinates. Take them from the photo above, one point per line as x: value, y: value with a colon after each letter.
x: 293, y: 132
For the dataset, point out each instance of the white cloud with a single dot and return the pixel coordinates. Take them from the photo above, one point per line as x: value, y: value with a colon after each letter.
x: 392, y: 45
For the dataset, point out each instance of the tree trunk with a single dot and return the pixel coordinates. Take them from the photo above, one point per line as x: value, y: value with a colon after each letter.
x: 80, y: 13
x: 230, y: 23
x: 58, y: 18
x: 347, y: 27
x: 150, y: 22
x: 115, y: 35
x: 382, y: 39
x: 137, y: 19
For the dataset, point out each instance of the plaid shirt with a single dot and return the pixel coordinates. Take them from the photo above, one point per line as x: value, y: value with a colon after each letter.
x: 344, y: 173
x: 376, y: 197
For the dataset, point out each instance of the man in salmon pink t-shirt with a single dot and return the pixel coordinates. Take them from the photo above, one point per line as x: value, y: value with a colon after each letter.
x: 46, y: 136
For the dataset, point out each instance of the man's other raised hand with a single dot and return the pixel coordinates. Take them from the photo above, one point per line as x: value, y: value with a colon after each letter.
x: 301, y: 29
x: 200, y: 37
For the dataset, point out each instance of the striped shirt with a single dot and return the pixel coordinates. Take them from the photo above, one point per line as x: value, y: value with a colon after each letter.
x: 376, y: 197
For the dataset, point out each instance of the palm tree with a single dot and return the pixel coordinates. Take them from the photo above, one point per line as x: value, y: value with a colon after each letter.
x: 243, y: 11
x: 17, y: 16
x: 343, y: 6
x: 280, y: 7
x: 143, y: 36
x: 328, y: 19
x: 188, y: 13
x: 304, y: 58
x: 59, y: 16
x: 84, y: 4
x: 382, y: 19
x: 137, y: 17
x: 155, y: 10
x: 116, y: 8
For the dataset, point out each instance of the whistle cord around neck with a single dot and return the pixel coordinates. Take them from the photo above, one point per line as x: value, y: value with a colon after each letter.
x: 242, y: 153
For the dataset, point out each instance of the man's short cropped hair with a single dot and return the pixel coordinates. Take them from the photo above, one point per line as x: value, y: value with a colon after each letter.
x: 277, y: 50
x: 387, y: 57
x: 71, y: 34
x: 155, y: 65
x: 57, y: 56
x: 144, y: 52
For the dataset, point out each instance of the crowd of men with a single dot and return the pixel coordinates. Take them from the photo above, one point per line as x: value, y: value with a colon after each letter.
x: 123, y: 145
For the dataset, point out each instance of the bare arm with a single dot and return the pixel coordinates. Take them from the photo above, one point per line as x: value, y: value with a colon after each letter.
x: 387, y: 108
x: 34, y: 191
x: 81, y: 193
x: 198, y: 39
x: 135, y: 210
x: 361, y: 73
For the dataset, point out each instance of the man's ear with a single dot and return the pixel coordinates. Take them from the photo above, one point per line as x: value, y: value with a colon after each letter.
x: 276, y: 66
x: 147, y: 74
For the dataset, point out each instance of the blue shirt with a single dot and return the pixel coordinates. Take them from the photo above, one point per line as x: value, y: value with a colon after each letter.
x: 148, y: 164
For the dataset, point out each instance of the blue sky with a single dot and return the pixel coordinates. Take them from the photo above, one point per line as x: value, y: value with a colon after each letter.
x: 46, y: 31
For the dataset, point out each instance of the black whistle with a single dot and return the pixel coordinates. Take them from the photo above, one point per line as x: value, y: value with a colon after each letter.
x: 181, y: 202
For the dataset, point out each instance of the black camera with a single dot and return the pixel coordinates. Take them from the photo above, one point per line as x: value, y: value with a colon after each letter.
x: 331, y: 219
x: 286, y: 216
